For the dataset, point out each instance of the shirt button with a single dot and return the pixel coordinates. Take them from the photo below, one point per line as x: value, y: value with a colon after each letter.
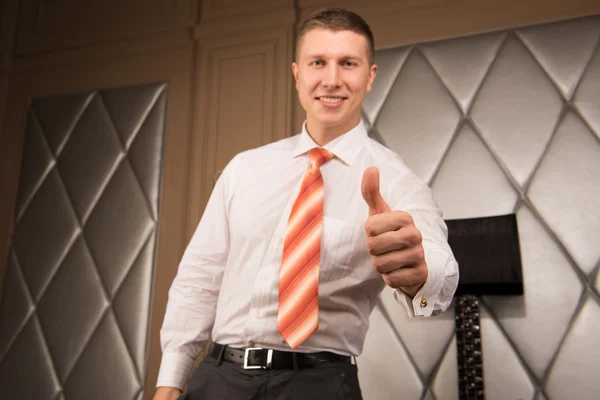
x: 257, y: 315
x: 423, y: 302
x: 264, y: 278
x: 280, y: 241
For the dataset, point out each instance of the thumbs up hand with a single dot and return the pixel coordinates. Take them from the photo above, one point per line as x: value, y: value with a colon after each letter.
x: 371, y: 194
x: 393, y: 240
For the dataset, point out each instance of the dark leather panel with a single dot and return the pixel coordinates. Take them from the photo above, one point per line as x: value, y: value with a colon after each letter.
x: 71, y: 308
x: 45, y: 232
x: 84, y: 246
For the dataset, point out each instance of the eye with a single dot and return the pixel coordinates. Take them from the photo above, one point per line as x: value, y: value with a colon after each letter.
x: 348, y: 64
x: 317, y: 63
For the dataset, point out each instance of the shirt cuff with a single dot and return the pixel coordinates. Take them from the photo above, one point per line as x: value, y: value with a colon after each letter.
x: 174, y: 370
x: 423, y: 304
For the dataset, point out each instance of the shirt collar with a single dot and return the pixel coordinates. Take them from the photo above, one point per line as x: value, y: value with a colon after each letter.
x: 345, y: 147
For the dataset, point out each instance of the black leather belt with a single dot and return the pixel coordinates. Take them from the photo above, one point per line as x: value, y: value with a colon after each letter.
x: 260, y: 358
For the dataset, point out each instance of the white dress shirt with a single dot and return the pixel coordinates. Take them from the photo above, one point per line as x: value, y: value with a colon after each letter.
x: 228, y: 280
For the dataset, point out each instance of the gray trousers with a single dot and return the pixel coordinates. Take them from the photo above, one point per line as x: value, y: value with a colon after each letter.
x: 214, y: 380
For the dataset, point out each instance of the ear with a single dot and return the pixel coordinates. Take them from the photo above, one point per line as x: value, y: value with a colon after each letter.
x: 372, y: 75
x: 295, y: 73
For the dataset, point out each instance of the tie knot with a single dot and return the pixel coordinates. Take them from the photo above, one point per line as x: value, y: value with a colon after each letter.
x: 319, y: 156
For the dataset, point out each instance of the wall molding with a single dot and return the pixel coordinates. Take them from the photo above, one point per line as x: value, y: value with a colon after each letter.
x: 244, y: 84
x: 8, y: 23
x: 220, y: 9
x: 47, y: 27
x: 363, y: 9
x: 234, y: 25
x: 105, y: 51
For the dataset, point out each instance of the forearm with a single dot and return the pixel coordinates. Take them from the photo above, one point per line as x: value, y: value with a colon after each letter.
x: 435, y: 295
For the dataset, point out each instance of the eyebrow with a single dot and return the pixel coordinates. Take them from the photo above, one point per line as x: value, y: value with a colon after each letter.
x: 343, y: 57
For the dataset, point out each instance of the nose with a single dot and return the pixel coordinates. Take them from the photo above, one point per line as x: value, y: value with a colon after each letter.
x: 332, y: 77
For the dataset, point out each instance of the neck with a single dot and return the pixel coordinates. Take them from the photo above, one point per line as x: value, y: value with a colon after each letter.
x: 325, y: 134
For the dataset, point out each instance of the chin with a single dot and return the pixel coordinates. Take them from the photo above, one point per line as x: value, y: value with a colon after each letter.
x: 328, y: 124
x: 334, y: 122
x: 331, y: 119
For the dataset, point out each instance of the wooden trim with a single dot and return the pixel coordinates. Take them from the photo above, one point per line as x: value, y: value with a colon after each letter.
x: 363, y: 8
x: 234, y: 25
x: 275, y: 45
x: 219, y: 9
x: 43, y: 29
x: 468, y: 17
x: 101, y: 52
x: 10, y: 164
x: 8, y: 23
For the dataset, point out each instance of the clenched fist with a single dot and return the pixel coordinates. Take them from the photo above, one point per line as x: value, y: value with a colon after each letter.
x: 393, y: 239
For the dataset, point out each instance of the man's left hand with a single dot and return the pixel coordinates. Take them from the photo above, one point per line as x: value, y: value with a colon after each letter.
x: 393, y: 240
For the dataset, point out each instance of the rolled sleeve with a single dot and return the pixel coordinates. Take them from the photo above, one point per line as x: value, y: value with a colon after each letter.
x: 174, y: 370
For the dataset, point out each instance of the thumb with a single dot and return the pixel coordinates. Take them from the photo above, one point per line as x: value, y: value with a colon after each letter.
x: 371, y: 194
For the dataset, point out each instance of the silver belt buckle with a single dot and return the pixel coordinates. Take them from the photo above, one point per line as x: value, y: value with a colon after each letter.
x: 269, y: 358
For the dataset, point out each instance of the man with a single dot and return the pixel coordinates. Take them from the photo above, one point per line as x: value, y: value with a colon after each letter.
x: 297, y: 241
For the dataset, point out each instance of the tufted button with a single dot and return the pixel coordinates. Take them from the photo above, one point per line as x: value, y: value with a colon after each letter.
x: 423, y: 302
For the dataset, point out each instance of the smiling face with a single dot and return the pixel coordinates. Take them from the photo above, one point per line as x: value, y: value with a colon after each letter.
x: 332, y: 73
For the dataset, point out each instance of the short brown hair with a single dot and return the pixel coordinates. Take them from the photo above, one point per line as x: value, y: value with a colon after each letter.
x: 337, y: 19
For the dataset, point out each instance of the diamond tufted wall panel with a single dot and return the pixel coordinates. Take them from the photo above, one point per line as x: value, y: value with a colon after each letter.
x: 497, y: 123
x: 75, y: 308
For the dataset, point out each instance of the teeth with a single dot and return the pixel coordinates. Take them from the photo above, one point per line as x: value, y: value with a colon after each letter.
x: 331, y: 99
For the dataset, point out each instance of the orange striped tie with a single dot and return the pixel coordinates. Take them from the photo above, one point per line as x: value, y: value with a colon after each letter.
x: 298, y: 315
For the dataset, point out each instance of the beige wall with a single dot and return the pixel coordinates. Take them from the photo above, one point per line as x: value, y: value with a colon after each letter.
x: 227, y: 62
